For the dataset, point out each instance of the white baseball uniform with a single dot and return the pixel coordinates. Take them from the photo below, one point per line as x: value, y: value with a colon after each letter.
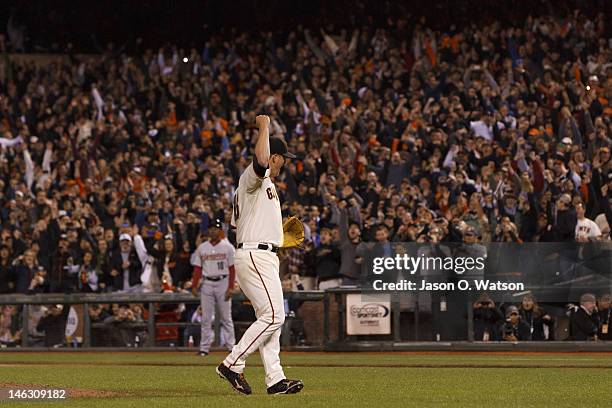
x: 586, y: 228
x: 215, y: 261
x: 257, y: 217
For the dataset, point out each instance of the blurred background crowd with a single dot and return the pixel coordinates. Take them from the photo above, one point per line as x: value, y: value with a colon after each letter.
x: 495, y: 128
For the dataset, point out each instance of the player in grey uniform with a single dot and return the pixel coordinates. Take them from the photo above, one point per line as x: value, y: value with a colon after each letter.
x: 258, y: 220
x: 213, y: 261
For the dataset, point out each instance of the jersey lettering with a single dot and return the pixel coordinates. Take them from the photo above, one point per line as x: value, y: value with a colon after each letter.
x: 271, y: 194
x: 259, y: 210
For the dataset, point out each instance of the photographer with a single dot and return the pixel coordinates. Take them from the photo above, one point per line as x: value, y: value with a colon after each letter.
x: 99, y: 335
x: 121, y: 325
x: 506, y: 231
x: 486, y: 319
x: 514, y: 329
x: 53, y: 324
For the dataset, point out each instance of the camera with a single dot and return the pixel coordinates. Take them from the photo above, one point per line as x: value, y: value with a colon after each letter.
x: 508, y: 330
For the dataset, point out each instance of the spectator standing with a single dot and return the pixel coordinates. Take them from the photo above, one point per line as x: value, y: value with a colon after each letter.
x: 25, y: 271
x: 350, y: 237
x: 7, y: 283
x: 126, y: 266
x: 102, y: 265
x: 171, y: 263
x: 586, y: 229
x: 39, y: 282
x: 564, y: 226
x: 88, y: 279
x: 63, y: 275
x: 327, y: 262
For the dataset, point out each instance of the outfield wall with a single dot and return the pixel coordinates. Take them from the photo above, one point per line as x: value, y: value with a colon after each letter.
x: 322, y: 314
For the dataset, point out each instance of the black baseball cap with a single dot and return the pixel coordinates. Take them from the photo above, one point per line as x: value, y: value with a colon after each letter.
x: 216, y: 223
x: 279, y: 146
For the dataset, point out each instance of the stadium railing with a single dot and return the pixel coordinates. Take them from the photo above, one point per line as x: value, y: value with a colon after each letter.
x: 151, y: 300
x: 328, y: 321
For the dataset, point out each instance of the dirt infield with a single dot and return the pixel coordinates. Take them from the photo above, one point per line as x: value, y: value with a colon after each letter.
x: 72, y: 392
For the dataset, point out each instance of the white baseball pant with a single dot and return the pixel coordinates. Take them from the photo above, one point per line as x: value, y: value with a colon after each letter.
x: 259, y: 279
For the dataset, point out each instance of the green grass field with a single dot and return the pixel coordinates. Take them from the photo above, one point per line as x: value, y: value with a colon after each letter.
x: 175, y: 379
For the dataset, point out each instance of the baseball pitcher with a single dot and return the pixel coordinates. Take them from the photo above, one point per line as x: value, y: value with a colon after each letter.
x: 257, y: 217
x: 213, y: 261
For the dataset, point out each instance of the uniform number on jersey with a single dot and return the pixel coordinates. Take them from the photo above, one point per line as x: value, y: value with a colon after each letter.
x: 270, y: 193
x: 220, y: 265
x: 236, y: 209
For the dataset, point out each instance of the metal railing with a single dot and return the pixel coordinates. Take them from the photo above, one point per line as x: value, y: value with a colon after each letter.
x: 151, y: 300
x: 339, y: 341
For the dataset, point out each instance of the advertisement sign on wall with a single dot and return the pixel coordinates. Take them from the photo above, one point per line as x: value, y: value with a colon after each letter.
x: 368, y: 316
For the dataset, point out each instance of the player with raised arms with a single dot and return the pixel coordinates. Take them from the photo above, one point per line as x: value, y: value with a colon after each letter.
x: 257, y: 217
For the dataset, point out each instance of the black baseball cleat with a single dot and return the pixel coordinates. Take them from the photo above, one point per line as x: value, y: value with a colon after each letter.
x: 237, y: 381
x: 286, y: 387
x: 202, y: 353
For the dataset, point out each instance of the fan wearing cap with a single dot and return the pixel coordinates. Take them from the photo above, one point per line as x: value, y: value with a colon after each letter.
x: 514, y: 329
x: 126, y: 266
x: 583, y: 322
x: 213, y: 262
x: 257, y: 217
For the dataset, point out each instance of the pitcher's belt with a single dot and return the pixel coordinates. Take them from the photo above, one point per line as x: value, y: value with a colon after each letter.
x: 262, y: 245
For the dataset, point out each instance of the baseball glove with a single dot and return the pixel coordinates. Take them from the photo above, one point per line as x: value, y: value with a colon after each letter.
x: 293, y: 232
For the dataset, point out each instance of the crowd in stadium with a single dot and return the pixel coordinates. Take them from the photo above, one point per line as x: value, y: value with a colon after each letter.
x: 113, y: 163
